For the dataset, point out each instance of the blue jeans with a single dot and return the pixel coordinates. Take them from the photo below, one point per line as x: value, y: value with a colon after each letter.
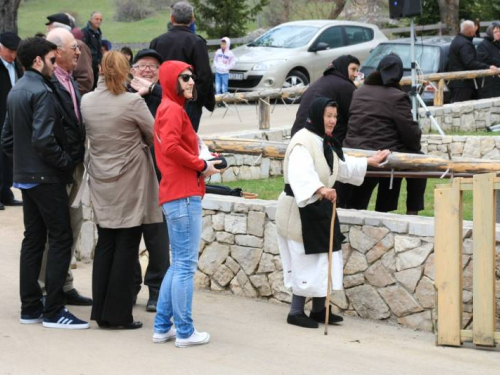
x: 221, y: 83
x: 176, y: 292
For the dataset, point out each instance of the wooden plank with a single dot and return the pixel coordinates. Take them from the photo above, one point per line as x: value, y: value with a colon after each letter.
x: 484, y: 305
x: 468, y: 335
x: 264, y: 114
x: 439, y: 94
x: 448, y: 262
x: 464, y: 74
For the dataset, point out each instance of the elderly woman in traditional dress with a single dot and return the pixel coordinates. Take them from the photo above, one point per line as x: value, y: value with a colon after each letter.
x: 313, y: 162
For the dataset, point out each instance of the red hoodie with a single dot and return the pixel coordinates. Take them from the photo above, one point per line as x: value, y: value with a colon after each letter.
x: 176, y: 143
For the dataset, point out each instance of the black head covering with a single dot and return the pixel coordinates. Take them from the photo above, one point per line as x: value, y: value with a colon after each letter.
x: 489, y: 31
x: 315, y: 124
x: 10, y: 40
x: 391, y: 69
x: 340, y: 66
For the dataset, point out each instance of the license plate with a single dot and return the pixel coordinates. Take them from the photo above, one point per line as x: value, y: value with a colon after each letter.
x: 236, y: 76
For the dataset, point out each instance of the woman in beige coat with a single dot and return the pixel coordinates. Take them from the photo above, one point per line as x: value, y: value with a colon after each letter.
x: 123, y: 188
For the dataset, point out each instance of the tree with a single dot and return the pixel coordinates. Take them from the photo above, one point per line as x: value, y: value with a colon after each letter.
x: 448, y: 9
x: 8, y: 15
x: 225, y: 17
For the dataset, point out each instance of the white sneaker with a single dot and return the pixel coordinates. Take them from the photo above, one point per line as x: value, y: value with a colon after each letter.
x: 159, y: 338
x: 197, y: 338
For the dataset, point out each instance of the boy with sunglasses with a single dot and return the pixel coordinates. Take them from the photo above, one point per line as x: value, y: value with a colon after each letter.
x: 34, y: 136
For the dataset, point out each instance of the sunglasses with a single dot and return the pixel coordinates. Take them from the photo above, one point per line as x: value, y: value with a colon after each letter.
x: 186, y: 77
x: 53, y: 60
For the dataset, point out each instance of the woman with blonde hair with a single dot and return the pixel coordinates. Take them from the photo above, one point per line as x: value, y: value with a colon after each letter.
x: 123, y: 188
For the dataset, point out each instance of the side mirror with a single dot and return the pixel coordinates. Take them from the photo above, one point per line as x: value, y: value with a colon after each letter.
x: 321, y: 46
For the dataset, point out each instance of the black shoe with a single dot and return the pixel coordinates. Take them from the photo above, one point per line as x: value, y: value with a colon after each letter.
x: 151, y: 305
x: 320, y: 317
x: 2, y: 207
x: 133, y: 325
x: 301, y: 320
x: 13, y: 202
x: 76, y: 299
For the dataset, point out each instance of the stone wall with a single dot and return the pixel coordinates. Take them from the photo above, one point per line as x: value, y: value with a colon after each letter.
x: 388, y: 260
x: 474, y: 115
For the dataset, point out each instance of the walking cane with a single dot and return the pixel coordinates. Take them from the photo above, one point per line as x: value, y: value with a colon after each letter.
x: 329, y: 286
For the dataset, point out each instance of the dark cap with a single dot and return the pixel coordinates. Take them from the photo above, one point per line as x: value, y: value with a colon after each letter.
x: 147, y: 53
x: 59, y: 17
x: 10, y: 40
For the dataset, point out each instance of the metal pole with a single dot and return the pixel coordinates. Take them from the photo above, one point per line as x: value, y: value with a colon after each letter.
x: 413, y: 92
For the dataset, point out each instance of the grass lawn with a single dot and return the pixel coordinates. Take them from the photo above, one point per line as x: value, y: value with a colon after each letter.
x: 33, y: 13
x: 271, y: 188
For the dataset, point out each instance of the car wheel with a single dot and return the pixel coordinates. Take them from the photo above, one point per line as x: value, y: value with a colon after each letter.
x: 295, y: 79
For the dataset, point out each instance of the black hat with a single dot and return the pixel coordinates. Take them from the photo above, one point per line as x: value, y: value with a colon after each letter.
x: 10, y: 40
x: 147, y: 53
x: 59, y: 17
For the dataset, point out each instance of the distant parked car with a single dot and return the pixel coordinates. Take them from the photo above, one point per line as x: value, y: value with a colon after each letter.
x: 297, y: 53
x: 431, y: 54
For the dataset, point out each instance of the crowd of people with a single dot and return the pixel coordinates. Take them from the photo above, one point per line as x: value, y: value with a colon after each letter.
x: 83, y: 124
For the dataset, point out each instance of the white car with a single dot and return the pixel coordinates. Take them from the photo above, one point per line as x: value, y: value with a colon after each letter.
x: 297, y: 53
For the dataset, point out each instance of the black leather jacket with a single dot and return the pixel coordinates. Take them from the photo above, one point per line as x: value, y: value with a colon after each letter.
x: 33, y: 133
x: 74, y: 128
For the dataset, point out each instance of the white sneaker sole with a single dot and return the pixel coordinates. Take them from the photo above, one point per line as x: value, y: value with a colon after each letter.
x: 66, y: 326
x: 31, y: 321
x: 162, y: 339
x: 187, y: 344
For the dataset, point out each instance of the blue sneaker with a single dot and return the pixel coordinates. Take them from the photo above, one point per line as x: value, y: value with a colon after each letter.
x: 31, y: 318
x: 65, y: 320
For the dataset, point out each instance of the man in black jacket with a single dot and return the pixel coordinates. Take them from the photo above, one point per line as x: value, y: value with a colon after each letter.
x: 180, y: 43
x: 145, y: 72
x: 337, y: 84
x: 462, y: 56
x: 92, y: 36
x: 68, y: 98
x: 10, y: 72
x: 34, y: 135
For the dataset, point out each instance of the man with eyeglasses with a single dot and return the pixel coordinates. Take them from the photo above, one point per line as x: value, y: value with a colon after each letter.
x: 35, y: 137
x: 68, y: 98
x: 145, y: 82
x: 10, y: 72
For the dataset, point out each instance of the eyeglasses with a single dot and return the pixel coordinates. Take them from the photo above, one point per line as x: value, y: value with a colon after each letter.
x: 187, y: 77
x: 152, y: 67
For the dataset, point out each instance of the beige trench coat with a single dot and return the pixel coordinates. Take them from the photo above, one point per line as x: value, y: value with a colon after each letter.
x: 121, y: 177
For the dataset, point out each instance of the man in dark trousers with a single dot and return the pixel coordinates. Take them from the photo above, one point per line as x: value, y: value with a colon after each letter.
x: 34, y: 136
x: 462, y: 56
x: 145, y: 72
x: 92, y: 36
x: 180, y: 43
x: 68, y: 97
x: 337, y: 83
x: 10, y: 72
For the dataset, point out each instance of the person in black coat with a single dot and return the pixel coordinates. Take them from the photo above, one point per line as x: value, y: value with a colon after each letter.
x: 145, y: 72
x: 462, y: 56
x: 92, y: 36
x: 181, y: 44
x: 10, y: 72
x: 380, y: 118
x: 35, y: 137
x: 336, y: 84
x: 488, y: 52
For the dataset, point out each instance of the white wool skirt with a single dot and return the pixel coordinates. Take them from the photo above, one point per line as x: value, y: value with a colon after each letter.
x: 307, y: 275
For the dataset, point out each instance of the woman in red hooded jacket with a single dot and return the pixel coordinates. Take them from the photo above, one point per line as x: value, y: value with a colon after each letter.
x: 177, y: 150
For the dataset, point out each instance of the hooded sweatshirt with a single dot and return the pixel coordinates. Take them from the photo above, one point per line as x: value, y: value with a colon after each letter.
x: 176, y: 143
x: 224, y: 61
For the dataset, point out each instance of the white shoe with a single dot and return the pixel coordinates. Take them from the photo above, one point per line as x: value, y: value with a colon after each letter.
x: 197, y: 338
x: 159, y: 338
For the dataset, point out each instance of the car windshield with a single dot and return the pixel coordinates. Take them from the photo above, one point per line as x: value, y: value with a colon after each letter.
x: 286, y: 37
x: 427, y: 57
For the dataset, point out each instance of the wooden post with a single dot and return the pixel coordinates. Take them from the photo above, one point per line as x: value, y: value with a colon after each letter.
x: 448, y: 262
x: 484, y: 260
x: 439, y: 94
x: 264, y: 114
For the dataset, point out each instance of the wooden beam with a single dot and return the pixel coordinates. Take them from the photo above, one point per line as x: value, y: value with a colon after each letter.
x: 439, y: 94
x: 467, y: 74
x: 448, y: 262
x: 484, y: 304
x: 264, y: 114
x: 252, y: 96
x: 468, y: 335
x: 397, y: 160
